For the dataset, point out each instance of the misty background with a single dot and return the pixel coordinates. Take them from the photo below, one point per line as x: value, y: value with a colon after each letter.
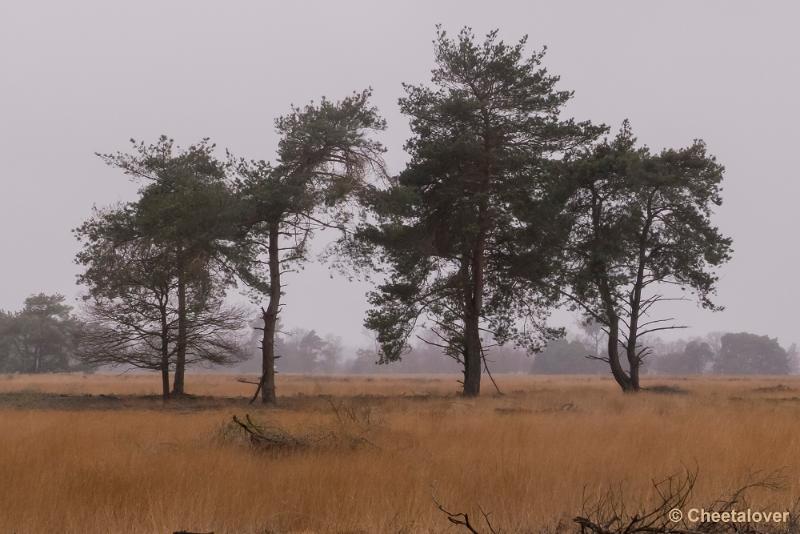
x: 85, y: 77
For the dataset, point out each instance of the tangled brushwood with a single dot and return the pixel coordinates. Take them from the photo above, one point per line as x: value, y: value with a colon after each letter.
x: 609, y: 513
x: 353, y: 427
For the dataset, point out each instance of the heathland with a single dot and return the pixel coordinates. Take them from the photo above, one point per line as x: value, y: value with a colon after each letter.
x: 101, y: 453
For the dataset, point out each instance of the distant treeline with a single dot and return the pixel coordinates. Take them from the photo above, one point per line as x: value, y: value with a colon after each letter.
x: 45, y: 336
x: 309, y: 352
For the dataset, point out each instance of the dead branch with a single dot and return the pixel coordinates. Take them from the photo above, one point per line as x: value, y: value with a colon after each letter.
x: 488, y: 372
x: 269, y: 438
x: 462, y: 518
x: 609, y: 515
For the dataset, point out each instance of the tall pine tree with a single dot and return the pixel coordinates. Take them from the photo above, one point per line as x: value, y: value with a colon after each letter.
x: 484, y: 134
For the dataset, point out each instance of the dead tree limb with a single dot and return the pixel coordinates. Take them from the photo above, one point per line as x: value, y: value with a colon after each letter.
x: 272, y: 438
x: 488, y: 372
x: 462, y: 518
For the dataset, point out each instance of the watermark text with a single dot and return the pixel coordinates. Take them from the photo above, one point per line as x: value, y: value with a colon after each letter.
x: 700, y: 515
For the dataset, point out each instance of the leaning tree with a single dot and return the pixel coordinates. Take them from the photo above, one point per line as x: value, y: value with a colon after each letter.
x: 325, y: 154
x: 445, y: 231
x: 641, y: 234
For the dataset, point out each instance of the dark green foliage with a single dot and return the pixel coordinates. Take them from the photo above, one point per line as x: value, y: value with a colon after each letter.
x: 447, y: 235
x: 324, y: 155
x: 186, y: 204
x: 40, y: 338
x: 641, y: 222
x: 132, y: 287
x: 157, y: 268
x: 745, y: 353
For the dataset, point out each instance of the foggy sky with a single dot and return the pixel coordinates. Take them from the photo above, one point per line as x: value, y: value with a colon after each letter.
x: 85, y: 76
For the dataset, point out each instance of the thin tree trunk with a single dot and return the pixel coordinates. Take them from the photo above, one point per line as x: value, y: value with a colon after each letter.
x: 634, y: 374
x: 180, y: 359
x: 634, y: 361
x: 270, y: 316
x: 473, y: 351
x: 164, y: 353
x: 473, y: 308
x: 622, y: 378
x: 619, y: 374
x: 600, y: 273
x: 165, y: 380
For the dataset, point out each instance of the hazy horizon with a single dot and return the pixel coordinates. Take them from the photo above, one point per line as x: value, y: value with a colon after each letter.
x: 85, y: 77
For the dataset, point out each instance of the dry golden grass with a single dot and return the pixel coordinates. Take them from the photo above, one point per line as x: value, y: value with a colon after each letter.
x: 528, y: 456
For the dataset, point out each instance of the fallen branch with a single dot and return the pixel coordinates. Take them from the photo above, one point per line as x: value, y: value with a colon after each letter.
x: 273, y: 438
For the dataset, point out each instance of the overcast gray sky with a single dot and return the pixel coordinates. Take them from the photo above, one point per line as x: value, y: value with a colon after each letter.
x: 85, y: 76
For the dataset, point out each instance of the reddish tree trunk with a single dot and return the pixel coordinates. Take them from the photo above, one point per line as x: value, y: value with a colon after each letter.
x: 270, y: 316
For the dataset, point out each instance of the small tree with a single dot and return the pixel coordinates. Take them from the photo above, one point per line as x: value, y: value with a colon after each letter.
x: 332, y: 351
x: 42, y: 337
x: 641, y: 222
x: 185, y: 209
x: 133, y: 307
x: 745, y: 353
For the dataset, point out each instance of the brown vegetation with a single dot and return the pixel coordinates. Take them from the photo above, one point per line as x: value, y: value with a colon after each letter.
x: 125, y: 463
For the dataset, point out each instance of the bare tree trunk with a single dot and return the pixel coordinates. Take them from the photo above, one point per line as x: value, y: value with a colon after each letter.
x: 634, y: 361
x: 634, y: 374
x: 270, y: 316
x: 472, y: 357
x: 180, y: 359
x: 622, y: 378
x: 619, y: 374
x: 472, y: 316
x: 165, y: 380
x: 634, y: 357
x: 164, y: 352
